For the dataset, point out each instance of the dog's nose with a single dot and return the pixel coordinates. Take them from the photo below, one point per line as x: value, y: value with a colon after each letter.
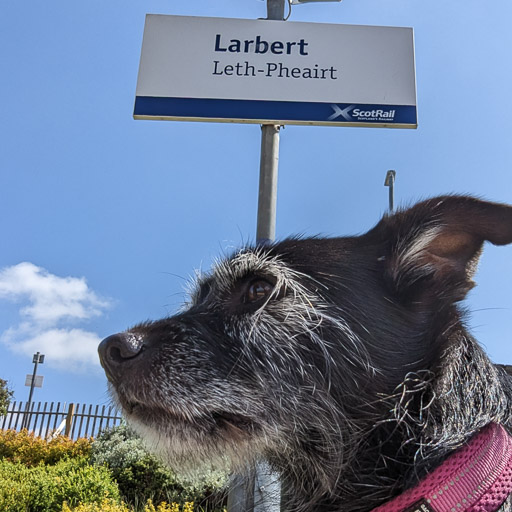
x: 117, y: 350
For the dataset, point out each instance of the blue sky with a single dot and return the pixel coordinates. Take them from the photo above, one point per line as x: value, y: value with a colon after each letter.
x: 103, y: 219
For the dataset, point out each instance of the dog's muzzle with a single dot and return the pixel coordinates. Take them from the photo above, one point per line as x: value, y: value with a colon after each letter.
x: 120, y: 352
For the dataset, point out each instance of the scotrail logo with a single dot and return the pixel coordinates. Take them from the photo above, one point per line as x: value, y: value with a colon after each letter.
x: 351, y: 113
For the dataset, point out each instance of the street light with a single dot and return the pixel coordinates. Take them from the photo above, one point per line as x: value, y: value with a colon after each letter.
x: 390, y: 182
x: 37, y: 359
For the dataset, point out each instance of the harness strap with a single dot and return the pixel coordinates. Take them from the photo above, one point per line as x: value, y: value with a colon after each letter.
x: 476, y: 478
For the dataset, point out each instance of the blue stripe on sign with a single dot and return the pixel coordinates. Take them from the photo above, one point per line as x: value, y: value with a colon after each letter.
x: 293, y: 111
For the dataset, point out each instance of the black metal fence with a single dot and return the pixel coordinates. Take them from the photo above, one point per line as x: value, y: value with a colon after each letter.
x: 46, y: 419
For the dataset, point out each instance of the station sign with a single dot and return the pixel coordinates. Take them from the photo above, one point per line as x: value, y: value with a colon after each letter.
x: 276, y: 72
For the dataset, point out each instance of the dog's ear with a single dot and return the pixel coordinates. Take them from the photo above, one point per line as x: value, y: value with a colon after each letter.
x: 433, y: 247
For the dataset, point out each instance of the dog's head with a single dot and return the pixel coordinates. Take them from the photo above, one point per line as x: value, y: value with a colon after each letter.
x: 292, y: 350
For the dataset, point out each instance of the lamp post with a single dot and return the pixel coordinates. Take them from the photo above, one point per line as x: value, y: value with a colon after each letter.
x: 390, y: 182
x: 37, y: 359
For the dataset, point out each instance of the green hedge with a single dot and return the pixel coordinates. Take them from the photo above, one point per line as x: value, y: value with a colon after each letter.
x: 30, y: 450
x: 45, y: 488
x: 40, y: 476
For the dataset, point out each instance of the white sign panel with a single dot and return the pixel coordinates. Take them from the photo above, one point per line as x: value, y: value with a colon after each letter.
x: 38, y: 381
x: 262, y: 71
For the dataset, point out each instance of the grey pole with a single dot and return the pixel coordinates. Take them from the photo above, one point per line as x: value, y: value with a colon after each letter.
x: 267, y: 197
x: 36, y: 360
x: 275, y: 9
x: 269, y: 159
x: 265, y: 485
x: 259, y: 490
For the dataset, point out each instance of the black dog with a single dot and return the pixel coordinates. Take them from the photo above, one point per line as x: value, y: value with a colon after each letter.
x: 344, y: 362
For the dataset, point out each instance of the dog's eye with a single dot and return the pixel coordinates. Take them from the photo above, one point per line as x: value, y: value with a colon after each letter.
x: 258, y: 290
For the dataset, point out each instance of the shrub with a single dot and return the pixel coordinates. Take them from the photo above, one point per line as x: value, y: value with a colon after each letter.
x: 30, y: 450
x: 14, y: 487
x: 45, y: 488
x: 141, y: 476
x: 105, y: 506
x: 110, y: 506
x: 5, y: 397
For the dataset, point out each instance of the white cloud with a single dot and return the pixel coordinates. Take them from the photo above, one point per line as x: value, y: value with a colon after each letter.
x: 48, y: 305
x: 51, y: 298
x: 71, y: 349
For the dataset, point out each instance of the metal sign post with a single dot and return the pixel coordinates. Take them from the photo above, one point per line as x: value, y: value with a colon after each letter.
x: 37, y: 359
x: 267, y: 198
x: 269, y: 159
x: 260, y: 490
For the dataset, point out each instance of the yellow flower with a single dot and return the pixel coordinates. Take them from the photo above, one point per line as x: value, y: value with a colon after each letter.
x: 149, y: 506
x: 106, y: 506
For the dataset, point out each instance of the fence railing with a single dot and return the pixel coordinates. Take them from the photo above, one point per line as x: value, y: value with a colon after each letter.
x: 49, y: 418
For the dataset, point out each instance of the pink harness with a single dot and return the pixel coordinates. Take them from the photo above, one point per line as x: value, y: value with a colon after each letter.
x: 476, y: 478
